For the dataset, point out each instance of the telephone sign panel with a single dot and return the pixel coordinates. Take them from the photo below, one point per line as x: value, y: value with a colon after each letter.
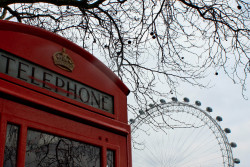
x: 44, y: 78
x: 59, y: 105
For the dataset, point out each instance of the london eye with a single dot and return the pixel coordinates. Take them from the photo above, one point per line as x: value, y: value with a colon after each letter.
x: 178, y: 134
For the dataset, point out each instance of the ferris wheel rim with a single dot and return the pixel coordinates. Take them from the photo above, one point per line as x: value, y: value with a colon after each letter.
x: 225, y: 146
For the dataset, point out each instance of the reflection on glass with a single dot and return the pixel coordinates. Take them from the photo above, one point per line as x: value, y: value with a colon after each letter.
x: 10, y: 151
x: 46, y: 150
x: 110, y: 158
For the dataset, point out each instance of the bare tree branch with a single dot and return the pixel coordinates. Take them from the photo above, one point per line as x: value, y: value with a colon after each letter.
x: 150, y: 43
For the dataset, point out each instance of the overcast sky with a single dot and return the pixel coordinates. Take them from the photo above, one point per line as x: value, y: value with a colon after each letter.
x: 226, y: 100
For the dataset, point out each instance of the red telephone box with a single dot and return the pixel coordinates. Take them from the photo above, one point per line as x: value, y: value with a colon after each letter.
x: 59, y: 105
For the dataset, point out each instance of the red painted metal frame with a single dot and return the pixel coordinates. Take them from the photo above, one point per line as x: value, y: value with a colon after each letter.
x: 27, y: 105
x: 16, y: 113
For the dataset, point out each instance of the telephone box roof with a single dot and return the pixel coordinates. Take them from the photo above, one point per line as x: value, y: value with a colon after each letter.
x: 30, y: 30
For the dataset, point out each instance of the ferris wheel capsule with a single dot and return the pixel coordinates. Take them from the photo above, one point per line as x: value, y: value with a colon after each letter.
x: 162, y: 101
x: 209, y: 109
x: 227, y: 130
x: 233, y: 144
x: 186, y: 99
x: 174, y: 99
x: 141, y: 112
x: 198, y: 103
x: 219, y: 118
x: 132, y: 121
x: 151, y: 105
x: 236, y: 160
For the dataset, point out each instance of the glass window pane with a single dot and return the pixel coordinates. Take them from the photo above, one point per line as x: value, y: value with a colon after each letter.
x: 110, y: 158
x: 10, y: 151
x: 47, y: 150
